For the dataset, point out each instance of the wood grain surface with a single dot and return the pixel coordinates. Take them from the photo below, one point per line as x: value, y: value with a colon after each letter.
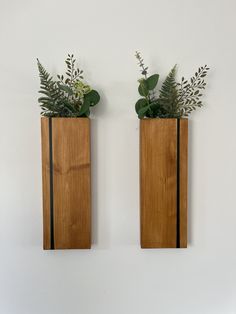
x: 183, y: 181
x: 46, y: 182
x: 160, y: 155
x: 71, y: 183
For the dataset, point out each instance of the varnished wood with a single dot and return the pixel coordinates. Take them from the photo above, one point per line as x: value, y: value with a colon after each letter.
x: 183, y: 181
x: 158, y: 183
x: 46, y: 181
x: 71, y: 183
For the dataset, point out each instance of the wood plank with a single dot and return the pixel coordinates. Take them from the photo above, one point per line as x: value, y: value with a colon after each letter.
x: 158, y: 183
x: 45, y: 181
x: 71, y: 183
x: 183, y: 181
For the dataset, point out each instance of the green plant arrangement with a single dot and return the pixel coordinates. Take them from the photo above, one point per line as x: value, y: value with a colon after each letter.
x: 67, y: 96
x: 175, y: 99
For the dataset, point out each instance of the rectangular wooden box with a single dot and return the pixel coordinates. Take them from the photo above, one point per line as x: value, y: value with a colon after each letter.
x: 66, y: 183
x: 163, y: 182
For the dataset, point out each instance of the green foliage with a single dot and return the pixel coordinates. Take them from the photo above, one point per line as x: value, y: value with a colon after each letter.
x: 189, y: 92
x: 143, y: 87
x: 142, y: 102
x: 69, y: 96
x: 175, y: 99
x: 152, y: 81
x: 169, y: 95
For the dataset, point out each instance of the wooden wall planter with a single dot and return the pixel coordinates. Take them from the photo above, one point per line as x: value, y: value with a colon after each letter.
x: 66, y: 183
x: 163, y: 182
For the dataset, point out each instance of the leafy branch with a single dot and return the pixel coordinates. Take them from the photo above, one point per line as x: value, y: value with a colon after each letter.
x: 144, y: 106
x: 69, y: 96
x: 189, y: 91
x: 175, y: 99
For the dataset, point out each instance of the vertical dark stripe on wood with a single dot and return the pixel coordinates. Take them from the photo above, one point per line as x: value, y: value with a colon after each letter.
x: 51, y: 186
x: 178, y: 186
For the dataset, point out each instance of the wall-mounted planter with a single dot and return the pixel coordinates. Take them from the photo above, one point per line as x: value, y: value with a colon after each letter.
x: 163, y: 182
x: 66, y: 183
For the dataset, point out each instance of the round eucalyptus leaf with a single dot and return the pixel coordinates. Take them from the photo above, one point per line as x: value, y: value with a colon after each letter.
x: 143, y: 89
x: 142, y: 112
x: 92, y: 97
x: 152, y: 81
x: 142, y: 102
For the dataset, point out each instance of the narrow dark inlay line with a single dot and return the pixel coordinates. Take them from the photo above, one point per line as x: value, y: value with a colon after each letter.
x: 51, y: 186
x: 178, y: 187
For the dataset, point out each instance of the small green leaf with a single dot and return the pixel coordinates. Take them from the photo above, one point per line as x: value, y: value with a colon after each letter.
x: 142, y: 102
x: 87, y: 113
x: 143, y: 88
x: 66, y: 89
x: 92, y: 97
x: 142, y: 112
x: 84, y: 108
x: 152, y: 81
x: 44, y: 99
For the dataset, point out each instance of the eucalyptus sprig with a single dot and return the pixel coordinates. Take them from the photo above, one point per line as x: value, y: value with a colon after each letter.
x: 175, y: 99
x: 146, y: 89
x: 69, y: 96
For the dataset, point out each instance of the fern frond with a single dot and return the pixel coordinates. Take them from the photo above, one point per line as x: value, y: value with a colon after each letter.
x: 168, y: 98
x: 49, y: 88
x: 65, y: 97
x: 169, y: 84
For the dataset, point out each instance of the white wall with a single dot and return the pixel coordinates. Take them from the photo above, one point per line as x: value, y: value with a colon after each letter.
x: 116, y: 276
